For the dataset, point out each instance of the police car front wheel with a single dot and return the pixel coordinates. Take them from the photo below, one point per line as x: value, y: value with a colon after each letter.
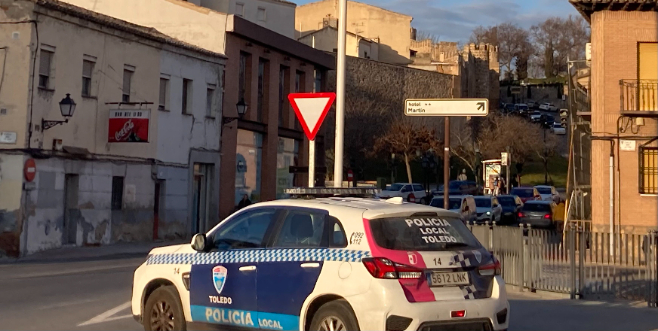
x: 163, y: 311
x: 335, y: 316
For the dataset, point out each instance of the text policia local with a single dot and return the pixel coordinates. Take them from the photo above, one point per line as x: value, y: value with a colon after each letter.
x: 433, y: 229
x: 240, y: 318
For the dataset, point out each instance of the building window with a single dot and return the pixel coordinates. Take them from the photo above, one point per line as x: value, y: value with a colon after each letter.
x: 45, y: 67
x: 210, y: 100
x: 263, y: 84
x: 300, y: 81
x: 244, y: 79
x: 128, y: 72
x: 262, y: 14
x: 117, y: 192
x: 648, y: 170
x: 164, y: 92
x: 317, y: 86
x: 187, y: 96
x: 239, y: 9
x: 284, y: 89
x: 87, y: 71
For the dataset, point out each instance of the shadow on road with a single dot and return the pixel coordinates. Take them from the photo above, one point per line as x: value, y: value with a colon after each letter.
x: 549, y: 315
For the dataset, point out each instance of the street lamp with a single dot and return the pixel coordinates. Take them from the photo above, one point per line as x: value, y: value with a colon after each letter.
x: 241, y: 107
x: 66, y: 107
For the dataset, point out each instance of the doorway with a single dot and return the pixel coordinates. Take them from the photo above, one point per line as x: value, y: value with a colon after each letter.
x: 157, y: 202
x: 201, y: 190
x: 71, y: 187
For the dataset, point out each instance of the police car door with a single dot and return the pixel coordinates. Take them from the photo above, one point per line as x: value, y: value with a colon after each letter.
x: 223, y: 281
x: 294, y: 259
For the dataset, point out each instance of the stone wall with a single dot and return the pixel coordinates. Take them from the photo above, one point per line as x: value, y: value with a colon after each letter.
x: 375, y: 95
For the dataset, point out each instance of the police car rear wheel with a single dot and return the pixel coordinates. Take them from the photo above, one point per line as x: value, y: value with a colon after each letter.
x: 334, y: 316
x: 163, y: 311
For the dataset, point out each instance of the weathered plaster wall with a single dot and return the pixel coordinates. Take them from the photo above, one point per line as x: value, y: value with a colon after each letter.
x: 11, y: 180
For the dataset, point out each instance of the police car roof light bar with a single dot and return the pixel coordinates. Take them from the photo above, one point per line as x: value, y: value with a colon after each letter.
x: 355, y: 192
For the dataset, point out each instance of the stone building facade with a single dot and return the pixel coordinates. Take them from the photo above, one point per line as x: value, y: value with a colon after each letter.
x: 124, y: 166
x: 480, y: 73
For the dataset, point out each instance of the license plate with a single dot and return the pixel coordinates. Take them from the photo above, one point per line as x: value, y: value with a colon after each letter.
x: 448, y: 278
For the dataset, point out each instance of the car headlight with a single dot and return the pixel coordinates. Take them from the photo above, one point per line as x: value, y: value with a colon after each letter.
x: 488, y: 213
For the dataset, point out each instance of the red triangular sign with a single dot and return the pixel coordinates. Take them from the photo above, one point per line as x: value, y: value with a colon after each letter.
x: 311, y: 109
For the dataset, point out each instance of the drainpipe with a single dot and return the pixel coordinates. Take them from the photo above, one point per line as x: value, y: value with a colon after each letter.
x: 612, y: 189
x: 612, y: 195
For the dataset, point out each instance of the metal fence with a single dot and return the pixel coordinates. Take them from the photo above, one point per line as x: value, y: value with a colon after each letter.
x: 585, y: 264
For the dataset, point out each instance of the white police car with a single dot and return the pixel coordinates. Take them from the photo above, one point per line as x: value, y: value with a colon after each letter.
x: 337, y: 263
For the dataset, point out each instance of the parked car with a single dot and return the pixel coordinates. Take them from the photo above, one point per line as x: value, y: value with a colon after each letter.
x: 459, y: 187
x: 558, y: 129
x: 509, y: 108
x: 521, y: 108
x: 409, y: 192
x: 488, y: 209
x: 511, y: 204
x: 532, y: 105
x: 548, y: 193
x: 547, y: 107
x: 535, y: 116
x: 526, y: 193
x: 461, y: 204
x: 538, y: 214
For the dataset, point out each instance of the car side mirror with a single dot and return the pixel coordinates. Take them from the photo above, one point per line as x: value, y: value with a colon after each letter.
x: 200, y: 242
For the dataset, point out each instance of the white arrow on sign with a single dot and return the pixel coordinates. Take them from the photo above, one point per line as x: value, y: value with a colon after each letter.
x: 311, y: 109
x: 446, y: 107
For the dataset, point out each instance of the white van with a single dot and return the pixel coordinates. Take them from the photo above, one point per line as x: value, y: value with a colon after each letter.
x: 462, y: 204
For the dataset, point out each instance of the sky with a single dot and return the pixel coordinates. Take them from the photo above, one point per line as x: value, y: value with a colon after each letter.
x: 453, y: 20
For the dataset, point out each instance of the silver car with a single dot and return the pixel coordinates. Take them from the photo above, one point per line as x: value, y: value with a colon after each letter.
x: 488, y: 209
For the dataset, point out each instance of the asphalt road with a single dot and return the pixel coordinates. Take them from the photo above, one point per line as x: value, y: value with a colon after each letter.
x: 95, y: 295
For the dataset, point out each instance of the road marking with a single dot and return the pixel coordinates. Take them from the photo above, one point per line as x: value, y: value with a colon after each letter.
x: 75, y: 271
x: 66, y: 304
x: 107, y: 316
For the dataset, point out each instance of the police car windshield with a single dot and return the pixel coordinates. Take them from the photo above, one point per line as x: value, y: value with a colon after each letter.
x: 424, y: 233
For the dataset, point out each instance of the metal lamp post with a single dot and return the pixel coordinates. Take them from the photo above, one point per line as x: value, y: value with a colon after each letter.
x: 66, y: 107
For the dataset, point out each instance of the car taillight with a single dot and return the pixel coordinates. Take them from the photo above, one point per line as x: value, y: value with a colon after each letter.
x: 387, y: 269
x: 547, y: 216
x: 490, y: 269
x: 520, y: 214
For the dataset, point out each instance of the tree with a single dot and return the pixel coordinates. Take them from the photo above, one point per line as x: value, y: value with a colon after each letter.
x: 425, y: 35
x: 513, y: 43
x: 557, y: 39
x: 405, y: 138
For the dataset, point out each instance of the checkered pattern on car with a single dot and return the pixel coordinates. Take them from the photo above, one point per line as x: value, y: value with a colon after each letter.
x: 468, y: 291
x: 259, y: 255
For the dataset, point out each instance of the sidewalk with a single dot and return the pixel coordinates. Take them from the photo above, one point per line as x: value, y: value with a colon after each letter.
x: 69, y: 254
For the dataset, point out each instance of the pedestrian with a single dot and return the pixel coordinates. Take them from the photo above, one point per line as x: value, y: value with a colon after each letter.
x: 502, y: 185
x: 495, y: 185
x: 514, y: 182
x: 244, y: 202
x: 462, y: 176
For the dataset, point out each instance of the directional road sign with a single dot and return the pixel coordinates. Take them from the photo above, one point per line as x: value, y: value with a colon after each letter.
x: 311, y: 109
x: 446, y: 107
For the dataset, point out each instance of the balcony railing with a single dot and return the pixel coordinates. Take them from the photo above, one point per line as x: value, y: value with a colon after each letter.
x: 639, y: 97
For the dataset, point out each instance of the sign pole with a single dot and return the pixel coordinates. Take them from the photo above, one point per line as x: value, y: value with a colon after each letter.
x: 509, y: 163
x: 340, y: 94
x: 446, y: 164
x: 311, y: 163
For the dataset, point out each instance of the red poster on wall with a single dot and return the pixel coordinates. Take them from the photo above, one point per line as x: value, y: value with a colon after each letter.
x: 128, y: 125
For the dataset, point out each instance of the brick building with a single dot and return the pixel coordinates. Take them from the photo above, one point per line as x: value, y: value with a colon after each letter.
x: 624, y: 113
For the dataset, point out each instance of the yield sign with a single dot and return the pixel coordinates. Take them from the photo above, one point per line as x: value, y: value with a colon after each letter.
x: 311, y: 109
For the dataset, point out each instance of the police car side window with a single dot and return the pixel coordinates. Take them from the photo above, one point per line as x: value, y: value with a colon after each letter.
x: 301, y: 229
x: 338, y: 238
x: 244, y: 231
